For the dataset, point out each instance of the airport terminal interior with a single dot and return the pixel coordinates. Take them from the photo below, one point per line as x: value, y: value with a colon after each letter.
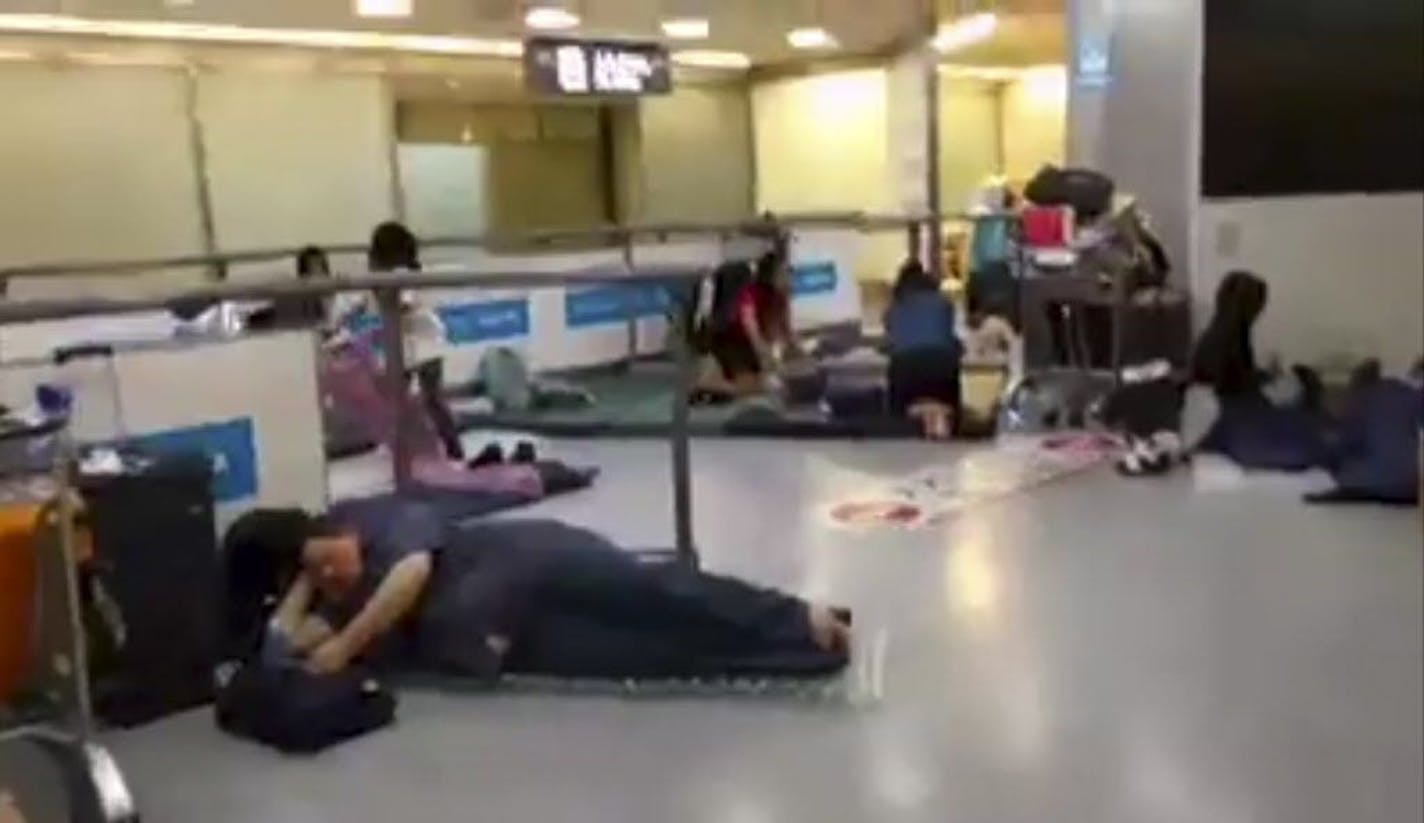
x: 721, y: 411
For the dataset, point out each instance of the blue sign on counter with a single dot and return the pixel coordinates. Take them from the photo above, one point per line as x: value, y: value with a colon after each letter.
x: 466, y: 322
x: 489, y: 320
x: 229, y: 445
x: 813, y: 278
x: 602, y: 305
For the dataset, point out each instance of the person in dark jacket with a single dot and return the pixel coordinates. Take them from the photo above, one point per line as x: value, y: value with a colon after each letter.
x: 398, y: 582
x: 1225, y: 358
x: 924, y: 352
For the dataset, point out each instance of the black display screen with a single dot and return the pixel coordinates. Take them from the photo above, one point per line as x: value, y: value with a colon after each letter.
x: 1312, y: 96
x: 596, y: 67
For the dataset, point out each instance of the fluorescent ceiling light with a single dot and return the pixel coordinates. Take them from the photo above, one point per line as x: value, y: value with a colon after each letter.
x: 687, y: 28
x: 383, y: 8
x: 711, y: 59
x: 966, y: 31
x: 60, y: 24
x: 550, y: 18
x: 812, y: 37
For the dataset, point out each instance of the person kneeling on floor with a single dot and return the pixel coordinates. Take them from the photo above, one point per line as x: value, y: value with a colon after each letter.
x: 397, y: 584
x: 924, y: 352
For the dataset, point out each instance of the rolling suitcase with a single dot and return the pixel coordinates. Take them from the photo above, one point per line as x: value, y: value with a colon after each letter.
x: 153, y: 586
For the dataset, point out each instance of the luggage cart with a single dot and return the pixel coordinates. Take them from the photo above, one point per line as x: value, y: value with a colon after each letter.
x: 51, y: 766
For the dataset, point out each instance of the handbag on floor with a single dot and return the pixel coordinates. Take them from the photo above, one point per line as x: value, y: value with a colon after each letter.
x: 290, y: 709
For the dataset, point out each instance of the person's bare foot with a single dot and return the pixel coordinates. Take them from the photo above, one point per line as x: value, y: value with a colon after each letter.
x: 827, y: 629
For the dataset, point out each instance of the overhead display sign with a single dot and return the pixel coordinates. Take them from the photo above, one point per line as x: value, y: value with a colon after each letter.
x: 555, y: 65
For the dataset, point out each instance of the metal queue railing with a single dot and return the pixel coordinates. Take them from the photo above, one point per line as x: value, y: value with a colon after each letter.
x: 387, y: 288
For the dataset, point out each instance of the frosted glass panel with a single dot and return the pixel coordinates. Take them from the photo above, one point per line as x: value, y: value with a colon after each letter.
x: 444, y: 189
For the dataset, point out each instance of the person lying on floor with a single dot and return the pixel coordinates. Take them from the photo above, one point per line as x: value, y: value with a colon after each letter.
x: 924, y: 352
x: 397, y: 585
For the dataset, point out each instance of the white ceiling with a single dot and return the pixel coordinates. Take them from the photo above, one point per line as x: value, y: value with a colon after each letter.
x: 1031, y: 31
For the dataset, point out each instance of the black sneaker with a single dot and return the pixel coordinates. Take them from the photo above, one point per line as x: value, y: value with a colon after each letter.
x: 490, y: 455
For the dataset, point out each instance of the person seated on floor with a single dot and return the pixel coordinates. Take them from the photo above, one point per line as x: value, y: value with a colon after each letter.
x: 396, y: 584
x: 1253, y: 421
x: 749, y: 335
x: 924, y: 352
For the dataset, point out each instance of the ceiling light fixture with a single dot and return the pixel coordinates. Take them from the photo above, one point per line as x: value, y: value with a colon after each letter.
x: 811, y: 37
x: 59, y: 24
x: 966, y: 31
x: 548, y: 17
x: 688, y: 28
x: 712, y: 59
x: 383, y: 8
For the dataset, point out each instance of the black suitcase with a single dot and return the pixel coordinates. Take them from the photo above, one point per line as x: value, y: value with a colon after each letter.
x: 156, y: 588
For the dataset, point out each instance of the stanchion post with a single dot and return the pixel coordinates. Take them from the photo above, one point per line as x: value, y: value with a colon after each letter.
x: 388, y: 302
x: 681, y: 449
x: 626, y: 238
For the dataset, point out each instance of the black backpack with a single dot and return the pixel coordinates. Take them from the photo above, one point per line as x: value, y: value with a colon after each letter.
x: 1089, y: 193
x: 295, y: 711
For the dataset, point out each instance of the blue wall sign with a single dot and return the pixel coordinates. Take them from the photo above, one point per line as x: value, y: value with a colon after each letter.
x: 813, y: 278
x: 490, y: 320
x: 603, y: 305
x: 230, y: 446
x: 1092, y: 65
x: 466, y: 323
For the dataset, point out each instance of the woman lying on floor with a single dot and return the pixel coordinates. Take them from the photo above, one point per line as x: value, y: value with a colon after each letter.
x: 398, y: 584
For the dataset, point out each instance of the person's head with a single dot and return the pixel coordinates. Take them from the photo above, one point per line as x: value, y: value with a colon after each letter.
x: 312, y: 262
x: 331, y: 557
x: 393, y: 247
x: 1241, y: 297
x: 770, y: 272
x: 913, y: 279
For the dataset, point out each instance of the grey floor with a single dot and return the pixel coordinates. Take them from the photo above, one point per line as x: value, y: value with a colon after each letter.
x: 1097, y: 650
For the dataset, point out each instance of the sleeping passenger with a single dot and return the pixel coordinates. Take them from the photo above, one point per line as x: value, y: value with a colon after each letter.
x: 924, y: 352
x: 397, y: 583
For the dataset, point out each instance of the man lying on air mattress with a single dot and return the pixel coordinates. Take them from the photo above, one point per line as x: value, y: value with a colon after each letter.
x: 396, y: 584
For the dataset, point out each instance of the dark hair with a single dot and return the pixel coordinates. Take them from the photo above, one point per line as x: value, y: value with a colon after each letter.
x: 913, y: 278
x: 1224, y: 357
x: 393, y: 246
x: 312, y: 262
x: 323, y: 526
x: 768, y: 266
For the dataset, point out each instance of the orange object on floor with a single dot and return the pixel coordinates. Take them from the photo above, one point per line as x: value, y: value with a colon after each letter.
x: 17, y: 593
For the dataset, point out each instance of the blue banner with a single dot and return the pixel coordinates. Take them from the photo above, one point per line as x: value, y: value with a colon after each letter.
x: 489, y: 320
x: 813, y: 278
x: 603, y: 305
x: 466, y: 323
x: 230, y: 446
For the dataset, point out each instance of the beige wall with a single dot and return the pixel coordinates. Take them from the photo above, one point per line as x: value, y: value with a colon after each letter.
x: 95, y: 164
x: 695, y: 155
x: 822, y: 143
x: 295, y: 158
x: 1035, y: 122
x: 971, y: 138
x: 545, y: 167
